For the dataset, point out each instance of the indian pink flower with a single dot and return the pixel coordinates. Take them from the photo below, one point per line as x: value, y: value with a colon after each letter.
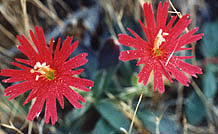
x: 157, y: 53
x: 47, y: 74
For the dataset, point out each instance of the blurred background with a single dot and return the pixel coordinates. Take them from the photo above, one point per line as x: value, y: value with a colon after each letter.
x: 112, y: 101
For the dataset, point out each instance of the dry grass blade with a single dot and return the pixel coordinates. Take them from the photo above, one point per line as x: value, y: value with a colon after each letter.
x: 134, y: 115
x: 11, y: 126
x: 49, y: 13
x: 6, y: 52
x: 186, y: 29
x: 30, y: 127
x: 130, y: 113
x: 179, y: 102
x: 208, y: 104
x: 25, y: 16
x: 11, y: 108
x: 7, y: 33
x: 8, y: 9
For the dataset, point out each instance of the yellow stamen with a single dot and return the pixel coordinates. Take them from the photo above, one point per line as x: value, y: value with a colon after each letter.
x: 44, y: 70
x: 158, y: 41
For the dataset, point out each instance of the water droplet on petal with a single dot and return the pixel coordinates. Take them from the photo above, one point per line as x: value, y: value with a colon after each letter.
x: 37, y: 77
x: 38, y: 115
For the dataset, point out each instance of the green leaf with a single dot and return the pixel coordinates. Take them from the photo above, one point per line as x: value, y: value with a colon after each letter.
x: 77, y: 113
x: 194, y: 109
x: 166, y: 126
x: 92, y: 64
x: 102, y: 80
x: 99, y: 84
x: 210, y: 40
x: 112, y: 115
x: 103, y: 127
x: 134, y: 79
x: 126, y: 71
x: 129, y: 93
x: 209, y: 83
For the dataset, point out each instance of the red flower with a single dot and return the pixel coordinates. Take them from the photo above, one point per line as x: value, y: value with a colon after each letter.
x: 163, y: 41
x: 48, y: 74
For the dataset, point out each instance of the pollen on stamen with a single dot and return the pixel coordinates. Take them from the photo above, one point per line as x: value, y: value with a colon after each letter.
x: 159, y: 39
x: 44, y: 71
x: 32, y: 71
x: 164, y: 34
x: 158, y: 42
x: 38, y: 65
x: 43, y: 64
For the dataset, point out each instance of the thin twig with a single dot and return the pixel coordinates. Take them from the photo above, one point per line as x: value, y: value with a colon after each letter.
x: 25, y: 16
x: 136, y: 109
x: 11, y: 126
x: 157, y: 125
x: 158, y: 119
x: 7, y: 33
x: 205, y: 101
x: 47, y: 11
x: 186, y: 29
x: 185, y: 125
x: 6, y: 10
x: 30, y: 127
x: 119, y: 22
x: 179, y: 102
x: 123, y: 130
x: 172, y: 53
x: 2, y: 87
x: 178, y: 13
x: 128, y: 112
x: 50, y: 6
x: 199, y: 130
x: 40, y: 126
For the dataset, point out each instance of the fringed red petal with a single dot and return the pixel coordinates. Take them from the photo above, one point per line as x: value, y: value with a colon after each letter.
x: 36, y: 108
x: 76, y: 61
x: 163, y: 40
x: 50, y: 109
x: 42, y: 58
x: 158, y: 81
x: 132, y: 54
x: 144, y: 74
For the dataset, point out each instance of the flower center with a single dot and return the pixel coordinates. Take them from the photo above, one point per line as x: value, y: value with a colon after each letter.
x: 157, y: 43
x: 157, y: 52
x: 44, y: 71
